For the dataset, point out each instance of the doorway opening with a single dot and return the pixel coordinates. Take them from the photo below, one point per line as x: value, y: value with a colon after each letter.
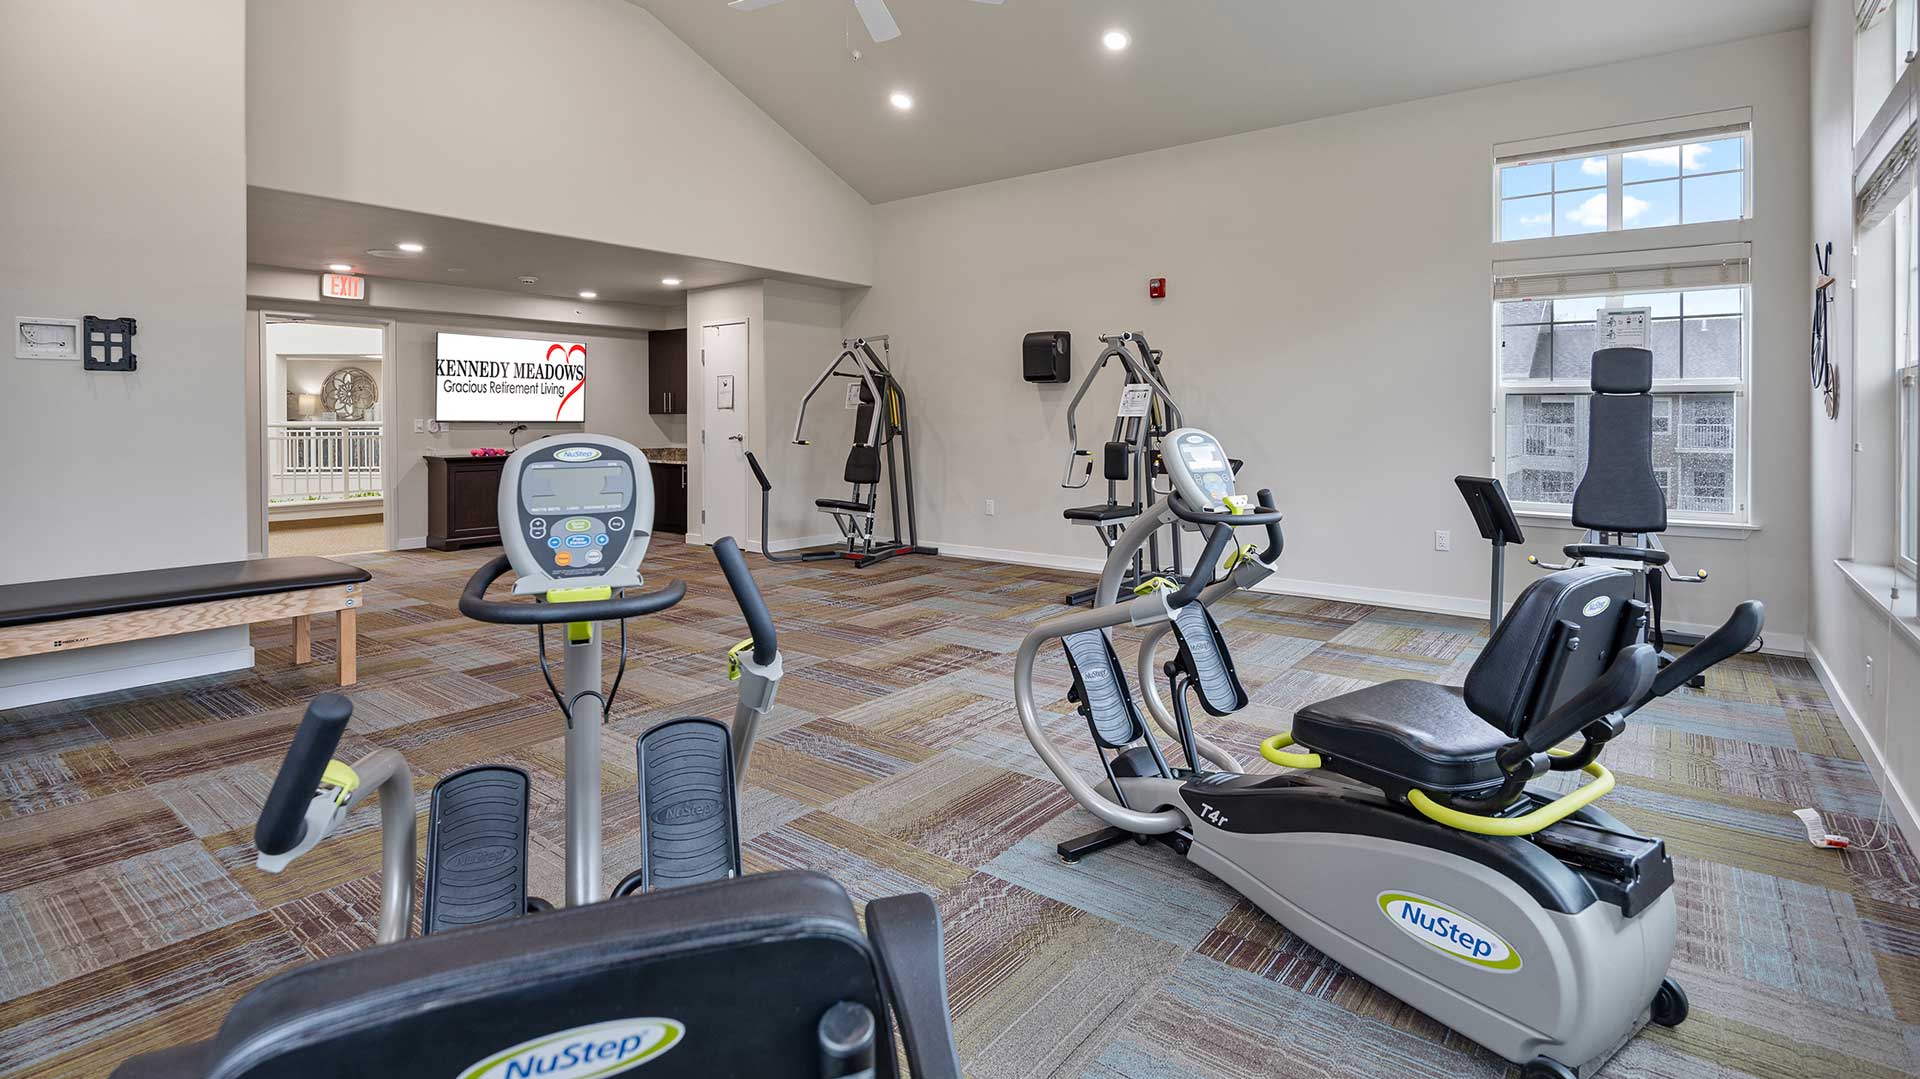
x: 325, y: 388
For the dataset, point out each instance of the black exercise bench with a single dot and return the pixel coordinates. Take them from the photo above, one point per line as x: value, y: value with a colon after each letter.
x: 80, y: 612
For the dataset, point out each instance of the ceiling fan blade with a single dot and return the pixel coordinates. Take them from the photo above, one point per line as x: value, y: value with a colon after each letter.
x: 750, y: 5
x: 879, y: 20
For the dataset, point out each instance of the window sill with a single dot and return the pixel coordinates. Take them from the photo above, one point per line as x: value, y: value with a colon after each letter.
x: 1876, y: 583
x: 1720, y: 530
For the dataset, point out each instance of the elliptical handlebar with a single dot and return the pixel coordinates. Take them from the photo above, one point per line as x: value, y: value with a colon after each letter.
x: 283, y: 818
x: 475, y: 605
x: 766, y: 645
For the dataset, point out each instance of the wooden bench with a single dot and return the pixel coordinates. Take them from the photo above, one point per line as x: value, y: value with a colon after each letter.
x: 80, y: 612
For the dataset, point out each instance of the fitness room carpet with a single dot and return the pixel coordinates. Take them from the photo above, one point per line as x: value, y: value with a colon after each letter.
x: 131, y: 915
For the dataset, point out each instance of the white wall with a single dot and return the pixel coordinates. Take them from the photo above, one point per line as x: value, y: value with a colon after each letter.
x: 123, y: 193
x: 1850, y: 515
x: 802, y: 331
x: 1329, y: 318
x: 793, y: 332
x: 617, y: 358
x: 585, y: 118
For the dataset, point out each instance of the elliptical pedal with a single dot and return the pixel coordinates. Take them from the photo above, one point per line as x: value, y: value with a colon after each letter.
x: 688, y: 822
x: 476, y: 848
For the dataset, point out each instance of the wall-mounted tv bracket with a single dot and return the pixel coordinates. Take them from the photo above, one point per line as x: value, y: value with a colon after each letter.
x: 109, y: 344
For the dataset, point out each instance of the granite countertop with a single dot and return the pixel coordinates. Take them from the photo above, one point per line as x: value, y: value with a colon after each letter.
x: 665, y: 455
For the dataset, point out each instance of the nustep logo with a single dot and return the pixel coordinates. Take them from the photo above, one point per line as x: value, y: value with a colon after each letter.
x: 1448, y: 931
x: 589, y: 1052
x: 576, y: 454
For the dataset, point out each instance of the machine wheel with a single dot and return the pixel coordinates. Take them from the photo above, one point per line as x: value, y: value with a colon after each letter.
x: 1546, y: 1068
x: 1670, y: 1004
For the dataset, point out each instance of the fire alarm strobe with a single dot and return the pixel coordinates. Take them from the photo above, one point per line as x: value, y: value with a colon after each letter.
x: 1156, y: 288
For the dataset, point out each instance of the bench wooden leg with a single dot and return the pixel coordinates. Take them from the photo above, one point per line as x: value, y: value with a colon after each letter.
x: 302, y: 638
x: 349, y: 619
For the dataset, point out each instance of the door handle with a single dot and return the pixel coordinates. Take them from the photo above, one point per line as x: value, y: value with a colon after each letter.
x: 736, y: 438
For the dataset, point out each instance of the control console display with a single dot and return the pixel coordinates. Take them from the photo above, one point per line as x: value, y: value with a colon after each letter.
x: 1200, y: 469
x: 576, y: 511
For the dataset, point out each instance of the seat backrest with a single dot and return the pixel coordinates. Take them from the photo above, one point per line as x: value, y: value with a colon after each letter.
x: 1619, y: 492
x: 863, y: 464
x: 1506, y: 684
x: 653, y: 979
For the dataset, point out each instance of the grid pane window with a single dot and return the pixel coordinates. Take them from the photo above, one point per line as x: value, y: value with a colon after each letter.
x: 1635, y: 188
x: 1698, y: 340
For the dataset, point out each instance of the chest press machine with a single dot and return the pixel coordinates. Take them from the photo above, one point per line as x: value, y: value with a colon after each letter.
x: 1619, y: 501
x: 880, y: 424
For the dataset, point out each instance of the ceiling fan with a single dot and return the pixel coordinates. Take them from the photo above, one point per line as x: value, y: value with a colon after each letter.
x: 874, y: 13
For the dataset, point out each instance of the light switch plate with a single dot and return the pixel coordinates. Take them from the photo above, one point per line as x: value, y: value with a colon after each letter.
x: 46, y: 338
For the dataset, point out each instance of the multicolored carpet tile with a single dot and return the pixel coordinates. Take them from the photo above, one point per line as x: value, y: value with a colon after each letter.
x: 131, y: 916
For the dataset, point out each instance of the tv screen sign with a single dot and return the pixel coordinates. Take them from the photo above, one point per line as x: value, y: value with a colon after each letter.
x: 501, y: 379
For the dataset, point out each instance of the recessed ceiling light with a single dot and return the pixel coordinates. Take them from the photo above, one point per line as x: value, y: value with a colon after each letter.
x: 1116, y: 40
x: 339, y: 267
x: 589, y: 294
x: 411, y: 248
x: 670, y: 282
x: 901, y: 100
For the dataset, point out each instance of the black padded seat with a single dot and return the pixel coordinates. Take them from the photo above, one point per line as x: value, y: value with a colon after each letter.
x: 1102, y: 513
x: 841, y: 505
x: 1417, y: 731
x: 118, y: 593
x: 1652, y: 556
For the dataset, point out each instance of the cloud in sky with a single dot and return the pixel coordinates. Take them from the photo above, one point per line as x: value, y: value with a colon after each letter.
x: 1594, y: 166
x: 1590, y: 214
x: 1631, y: 208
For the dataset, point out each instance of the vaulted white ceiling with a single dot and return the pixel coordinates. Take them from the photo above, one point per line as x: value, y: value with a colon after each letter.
x: 1025, y: 86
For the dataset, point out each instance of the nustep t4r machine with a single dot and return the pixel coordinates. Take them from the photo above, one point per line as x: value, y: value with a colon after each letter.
x: 707, y: 973
x: 1404, y: 840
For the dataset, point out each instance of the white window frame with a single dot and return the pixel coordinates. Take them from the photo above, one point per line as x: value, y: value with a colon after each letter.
x: 1740, y: 388
x: 1616, y: 184
x: 1906, y: 373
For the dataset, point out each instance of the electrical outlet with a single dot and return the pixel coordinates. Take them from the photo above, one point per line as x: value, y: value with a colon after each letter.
x: 990, y: 509
x: 1442, y: 540
x: 1869, y: 677
x: 420, y: 427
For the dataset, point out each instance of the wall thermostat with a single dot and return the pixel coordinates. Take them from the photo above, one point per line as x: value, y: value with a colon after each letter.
x: 46, y: 338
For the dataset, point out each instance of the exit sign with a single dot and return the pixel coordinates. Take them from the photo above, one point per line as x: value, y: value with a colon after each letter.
x: 342, y: 286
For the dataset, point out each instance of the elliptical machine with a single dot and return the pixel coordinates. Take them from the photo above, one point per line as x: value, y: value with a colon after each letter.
x: 599, y: 988
x: 1403, y: 841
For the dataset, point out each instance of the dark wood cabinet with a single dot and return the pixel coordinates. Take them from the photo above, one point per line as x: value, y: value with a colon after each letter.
x: 463, y: 502
x: 667, y: 373
x: 669, y: 497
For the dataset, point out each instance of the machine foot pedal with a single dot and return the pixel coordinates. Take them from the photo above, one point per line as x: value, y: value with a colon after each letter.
x: 476, y: 848
x: 689, y: 825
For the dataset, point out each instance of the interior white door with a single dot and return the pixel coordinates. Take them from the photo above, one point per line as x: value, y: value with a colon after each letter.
x: 723, y: 412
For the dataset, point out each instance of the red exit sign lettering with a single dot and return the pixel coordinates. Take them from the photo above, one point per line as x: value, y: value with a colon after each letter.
x: 342, y: 286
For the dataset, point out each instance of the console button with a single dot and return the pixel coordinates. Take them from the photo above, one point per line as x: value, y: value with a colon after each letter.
x: 553, y: 541
x: 563, y: 558
x: 593, y: 558
x: 601, y: 539
x: 579, y: 541
x: 618, y: 524
x: 579, y: 524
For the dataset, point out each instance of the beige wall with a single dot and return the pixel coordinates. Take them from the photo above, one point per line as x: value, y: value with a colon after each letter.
x: 1850, y: 493
x: 585, y: 118
x: 1329, y: 318
x: 122, y: 192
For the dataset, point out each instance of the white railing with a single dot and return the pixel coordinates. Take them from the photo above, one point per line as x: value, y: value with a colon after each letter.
x: 322, y: 462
